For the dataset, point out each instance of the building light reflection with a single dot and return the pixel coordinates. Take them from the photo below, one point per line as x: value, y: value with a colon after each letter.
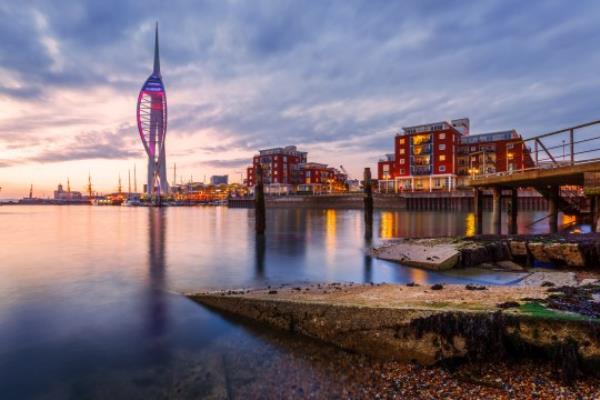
x: 418, y: 275
x: 330, y: 226
x: 387, y: 225
x: 470, y: 224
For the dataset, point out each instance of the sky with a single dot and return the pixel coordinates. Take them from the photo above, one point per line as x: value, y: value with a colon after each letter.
x: 336, y: 78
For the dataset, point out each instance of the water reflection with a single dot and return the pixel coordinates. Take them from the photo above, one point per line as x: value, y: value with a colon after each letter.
x: 259, y: 256
x: 399, y: 224
x: 470, y: 224
x: 387, y: 224
x: 157, y: 311
x: 330, y: 234
x: 368, y: 261
x: 95, y: 305
x: 395, y: 224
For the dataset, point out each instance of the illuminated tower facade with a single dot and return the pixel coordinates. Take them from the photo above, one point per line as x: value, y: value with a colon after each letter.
x: 152, y: 126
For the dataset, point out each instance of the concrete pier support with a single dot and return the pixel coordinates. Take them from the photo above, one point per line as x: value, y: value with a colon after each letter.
x: 497, y: 210
x: 478, y: 210
x: 553, y: 208
x: 514, y: 212
x: 259, y: 200
x: 368, y: 204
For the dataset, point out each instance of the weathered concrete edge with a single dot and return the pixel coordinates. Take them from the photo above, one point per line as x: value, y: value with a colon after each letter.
x: 424, y: 335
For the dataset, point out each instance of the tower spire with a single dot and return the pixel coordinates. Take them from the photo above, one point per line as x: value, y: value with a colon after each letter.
x: 156, y: 54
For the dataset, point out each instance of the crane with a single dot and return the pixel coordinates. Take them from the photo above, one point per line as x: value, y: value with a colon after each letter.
x: 345, y: 172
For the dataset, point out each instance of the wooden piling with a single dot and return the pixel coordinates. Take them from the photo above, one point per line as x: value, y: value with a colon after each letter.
x: 368, y: 204
x: 259, y: 202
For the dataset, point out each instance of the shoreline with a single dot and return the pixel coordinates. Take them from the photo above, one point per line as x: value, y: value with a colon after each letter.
x: 430, y: 325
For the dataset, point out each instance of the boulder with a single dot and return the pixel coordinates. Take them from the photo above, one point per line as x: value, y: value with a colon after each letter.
x: 537, y: 251
x: 518, y: 248
x: 565, y: 253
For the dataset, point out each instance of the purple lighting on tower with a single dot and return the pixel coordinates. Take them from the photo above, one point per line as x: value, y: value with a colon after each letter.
x: 152, y: 125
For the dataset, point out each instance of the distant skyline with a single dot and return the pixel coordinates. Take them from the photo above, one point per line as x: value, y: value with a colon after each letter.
x: 338, y: 79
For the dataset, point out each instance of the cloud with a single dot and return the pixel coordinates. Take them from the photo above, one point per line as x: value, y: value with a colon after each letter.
x: 92, y: 145
x: 6, y: 163
x: 231, y: 163
x: 323, y: 75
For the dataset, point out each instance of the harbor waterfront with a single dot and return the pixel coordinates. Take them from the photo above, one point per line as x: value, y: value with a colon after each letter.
x: 91, y: 302
x: 114, y: 276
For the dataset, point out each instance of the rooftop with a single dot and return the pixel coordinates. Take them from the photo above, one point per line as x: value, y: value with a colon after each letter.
x: 490, y: 136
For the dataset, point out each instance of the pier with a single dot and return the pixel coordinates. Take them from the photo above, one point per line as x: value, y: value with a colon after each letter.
x: 565, y: 167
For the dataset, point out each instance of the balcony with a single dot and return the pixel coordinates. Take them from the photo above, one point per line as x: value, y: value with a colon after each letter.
x: 420, y: 170
x: 421, y: 139
x: 421, y: 149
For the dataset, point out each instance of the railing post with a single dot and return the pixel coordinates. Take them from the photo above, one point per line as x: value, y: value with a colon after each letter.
x: 572, y: 146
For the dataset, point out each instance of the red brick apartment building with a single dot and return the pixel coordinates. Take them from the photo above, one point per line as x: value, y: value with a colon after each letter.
x: 286, y: 170
x: 441, y: 155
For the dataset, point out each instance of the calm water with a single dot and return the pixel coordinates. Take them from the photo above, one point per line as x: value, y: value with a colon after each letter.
x: 90, y: 304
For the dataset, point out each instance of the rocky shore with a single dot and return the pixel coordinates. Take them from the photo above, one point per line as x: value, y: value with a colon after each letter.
x: 432, y: 325
x: 519, y: 342
x: 579, y: 251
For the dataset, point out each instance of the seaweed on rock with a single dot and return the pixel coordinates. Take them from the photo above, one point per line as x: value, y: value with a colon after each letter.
x: 492, y: 337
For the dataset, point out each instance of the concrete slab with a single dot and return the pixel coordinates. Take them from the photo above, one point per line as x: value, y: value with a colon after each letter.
x: 420, y: 254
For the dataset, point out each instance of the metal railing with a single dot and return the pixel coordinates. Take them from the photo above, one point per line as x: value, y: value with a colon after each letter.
x: 566, y: 147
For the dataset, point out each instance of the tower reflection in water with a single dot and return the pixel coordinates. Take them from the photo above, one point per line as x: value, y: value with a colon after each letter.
x: 157, y: 302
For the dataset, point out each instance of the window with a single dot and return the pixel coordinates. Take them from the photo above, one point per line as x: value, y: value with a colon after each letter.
x: 401, y: 171
x: 284, y: 158
x: 442, y: 157
x: 402, y: 151
x: 402, y: 140
x: 473, y: 148
x: 402, y: 160
x: 442, y: 136
x: 509, y: 146
x: 442, y: 146
x: 442, y: 168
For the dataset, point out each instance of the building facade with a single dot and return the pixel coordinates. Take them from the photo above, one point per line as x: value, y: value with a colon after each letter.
x: 442, y: 155
x: 66, y: 195
x: 216, y: 180
x: 286, y: 170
